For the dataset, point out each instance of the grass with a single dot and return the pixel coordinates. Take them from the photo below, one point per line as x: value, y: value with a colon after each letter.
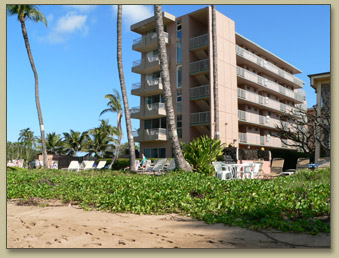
x: 297, y: 203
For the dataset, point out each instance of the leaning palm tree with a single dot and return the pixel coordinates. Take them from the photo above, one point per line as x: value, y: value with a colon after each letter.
x: 26, y: 137
x: 173, y: 135
x: 31, y: 12
x: 215, y: 75
x: 114, y: 105
x: 124, y: 93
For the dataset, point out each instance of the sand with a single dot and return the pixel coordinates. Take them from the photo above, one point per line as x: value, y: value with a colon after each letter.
x: 61, y: 226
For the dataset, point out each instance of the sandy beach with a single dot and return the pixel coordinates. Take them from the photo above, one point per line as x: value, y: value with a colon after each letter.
x: 61, y: 226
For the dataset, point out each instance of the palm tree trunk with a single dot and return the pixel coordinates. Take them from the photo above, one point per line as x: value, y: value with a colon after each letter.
x: 37, y: 99
x: 123, y: 92
x: 215, y: 75
x: 172, y: 128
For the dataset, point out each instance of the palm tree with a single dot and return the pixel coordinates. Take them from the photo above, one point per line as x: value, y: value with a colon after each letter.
x: 31, y: 12
x: 74, y: 142
x: 123, y: 91
x: 26, y: 137
x: 173, y: 135
x: 215, y: 75
x: 114, y: 105
x: 54, y: 143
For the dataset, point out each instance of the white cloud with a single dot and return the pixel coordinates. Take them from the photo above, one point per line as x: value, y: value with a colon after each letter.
x: 50, y: 18
x: 66, y: 25
x: 82, y: 8
x: 134, y: 13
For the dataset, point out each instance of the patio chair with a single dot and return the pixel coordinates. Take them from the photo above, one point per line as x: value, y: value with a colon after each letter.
x: 101, y: 164
x: 252, y: 170
x: 171, y: 166
x: 87, y: 165
x: 222, y: 170
x: 302, y: 163
x: 73, y: 165
x: 276, y: 168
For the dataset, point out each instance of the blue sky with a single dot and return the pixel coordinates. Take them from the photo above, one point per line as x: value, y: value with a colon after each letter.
x: 75, y: 57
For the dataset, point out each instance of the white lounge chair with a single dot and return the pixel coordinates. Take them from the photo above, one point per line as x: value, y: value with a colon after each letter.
x: 74, y: 165
x: 158, y: 166
x: 222, y: 171
x: 101, y: 164
x: 252, y: 170
x: 87, y: 165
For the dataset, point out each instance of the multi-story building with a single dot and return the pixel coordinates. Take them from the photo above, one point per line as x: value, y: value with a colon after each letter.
x: 255, y: 86
x: 321, y: 83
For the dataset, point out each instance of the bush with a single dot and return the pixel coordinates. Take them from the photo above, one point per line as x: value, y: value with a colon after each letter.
x: 297, y: 203
x: 201, y: 152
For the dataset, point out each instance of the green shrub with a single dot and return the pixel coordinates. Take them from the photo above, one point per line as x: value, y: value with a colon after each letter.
x: 296, y: 203
x: 201, y: 152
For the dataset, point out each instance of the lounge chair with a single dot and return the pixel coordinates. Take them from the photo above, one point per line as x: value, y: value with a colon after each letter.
x: 276, y: 168
x: 171, y: 166
x: 158, y: 166
x: 324, y: 162
x: 87, y: 165
x: 101, y: 164
x: 302, y: 163
x: 74, y: 165
x: 222, y: 170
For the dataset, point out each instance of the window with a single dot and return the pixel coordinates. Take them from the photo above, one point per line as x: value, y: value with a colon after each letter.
x: 155, y: 153
x: 179, y: 54
x: 162, y: 153
x: 148, y: 124
x: 179, y: 102
x: 179, y: 76
x: 179, y: 27
x: 179, y: 126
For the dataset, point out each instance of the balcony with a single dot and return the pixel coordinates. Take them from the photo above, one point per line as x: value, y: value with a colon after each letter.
x: 199, y: 42
x: 146, y: 65
x: 147, y: 87
x: 201, y: 118
x: 156, y: 134
x: 148, y: 42
x: 261, y: 140
x: 201, y: 92
x: 261, y: 121
x: 198, y: 67
x: 149, y: 111
x: 268, y: 66
x: 263, y: 102
x: 269, y: 85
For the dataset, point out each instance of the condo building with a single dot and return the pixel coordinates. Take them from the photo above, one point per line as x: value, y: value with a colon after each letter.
x: 255, y: 86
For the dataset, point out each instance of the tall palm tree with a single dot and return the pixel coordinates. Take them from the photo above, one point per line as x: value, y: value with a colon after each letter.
x: 31, y: 12
x: 54, y: 143
x: 123, y: 91
x: 215, y: 75
x: 114, y: 105
x: 26, y: 137
x: 173, y: 135
x: 74, y: 142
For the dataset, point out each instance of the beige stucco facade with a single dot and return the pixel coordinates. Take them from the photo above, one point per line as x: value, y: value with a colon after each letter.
x: 255, y: 86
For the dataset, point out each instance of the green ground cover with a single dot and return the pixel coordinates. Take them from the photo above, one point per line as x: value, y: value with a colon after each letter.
x: 297, y: 203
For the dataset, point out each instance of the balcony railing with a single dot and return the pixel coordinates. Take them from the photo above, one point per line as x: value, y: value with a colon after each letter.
x: 267, y: 83
x: 134, y: 110
x: 199, y: 41
x: 136, y: 86
x: 200, y: 92
x: 258, y: 119
x: 264, y: 140
x: 268, y: 65
x: 199, y: 66
x: 265, y: 101
x: 200, y: 118
x: 155, y: 106
x: 155, y: 134
x: 147, y: 42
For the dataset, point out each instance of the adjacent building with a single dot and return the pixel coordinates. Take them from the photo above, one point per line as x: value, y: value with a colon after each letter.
x: 321, y: 83
x: 255, y: 86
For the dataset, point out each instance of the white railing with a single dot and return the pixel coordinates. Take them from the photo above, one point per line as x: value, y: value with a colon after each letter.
x: 199, y: 41
x: 156, y: 131
x: 258, y: 119
x: 200, y: 118
x: 199, y: 66
x: 155, y: 106
x: 266, y: 101
x: 155, y: 81
x: 200, y: 92
x: 153, y: 58
x: 137, y: 63
x: 136, y: 86
x: 265, y: 82
x: 149, y: 38
x: 266, y: 140
x: 134, y: 110
x: 268, y: 65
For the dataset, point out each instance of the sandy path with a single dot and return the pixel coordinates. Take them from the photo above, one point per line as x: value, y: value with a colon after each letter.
x: 59, y: 226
